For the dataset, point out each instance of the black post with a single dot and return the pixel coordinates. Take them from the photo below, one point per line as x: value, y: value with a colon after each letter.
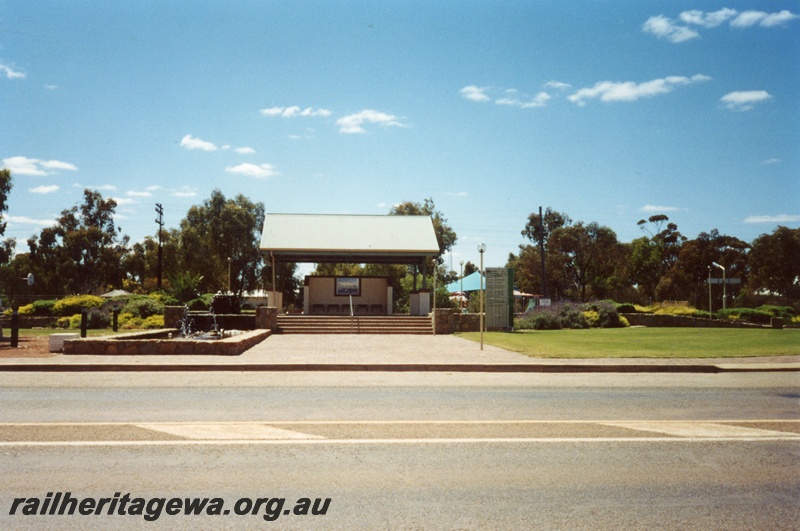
x: 115, y: 319
x: 15, y: 327
x: 84, y: 321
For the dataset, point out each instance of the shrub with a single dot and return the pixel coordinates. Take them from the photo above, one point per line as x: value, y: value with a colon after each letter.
x: 39, y: 308
x: 555, y: 317
x: 686, y: 311
x: 71, y: 305
x: 572, y: 316
x: 787, y: 312
x: 745, y: 314
x: 25, y: 310
x: 165, y: 298
x: 607, y: 316
x: 143, y: 307
x: 592, y: 317
x: 626, y: 308
x: 128, y: 321
x: 200, y: 304
x: 153, y: 322
x: 538, y: 320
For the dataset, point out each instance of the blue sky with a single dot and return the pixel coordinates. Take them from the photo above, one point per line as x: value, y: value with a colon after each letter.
x: 610, y: 111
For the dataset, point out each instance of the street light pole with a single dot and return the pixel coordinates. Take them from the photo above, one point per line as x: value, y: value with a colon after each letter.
x: 724, y: 286
x: 461, y: 299
x: 709, y: 293
x: 481, y: 249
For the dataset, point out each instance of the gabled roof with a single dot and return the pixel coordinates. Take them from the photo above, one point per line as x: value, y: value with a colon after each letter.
x: 349, y: 238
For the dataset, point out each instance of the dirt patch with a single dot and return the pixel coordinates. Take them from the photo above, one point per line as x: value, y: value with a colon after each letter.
x: 29, y: 347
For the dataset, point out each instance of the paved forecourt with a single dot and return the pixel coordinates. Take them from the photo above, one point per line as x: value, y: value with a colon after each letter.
x: 374, y: 352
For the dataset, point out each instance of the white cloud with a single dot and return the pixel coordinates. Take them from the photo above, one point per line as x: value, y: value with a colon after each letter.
x: 540, y: 100
x: 154, y: 188
x: 457, y: 194
x: 50, y: 87
x: 707, y: 20
x: 133, y: 193
x: 749, y: 19
x: 665, y: 28
x: 125, y: 201
x: 104, y: 187
x: 245, y: 150
x: 11, y: 73
x: 744, y: 100
x: 45, y: 189
x: 26, y: 166
x: 632, y: 91
x: 353, y: 123
x: 474, y: 93
x: 658, y: 208
x: 185, y: 191
x: 189, y: 142
x: 25, y: 220
x: 259, y: 171
x: 558, y: 85
x: 771, y: 161
x: 294, y: 110
x: 781, y: 218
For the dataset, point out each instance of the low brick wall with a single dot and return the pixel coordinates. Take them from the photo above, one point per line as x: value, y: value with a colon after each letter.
x: 448, y: 321
x: 666, y: 321
x: 155, y: 344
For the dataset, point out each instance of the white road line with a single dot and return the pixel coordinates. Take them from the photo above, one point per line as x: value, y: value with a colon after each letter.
x: 234, y: 431
x: 393, y: 422
x: 494, y: 440
x: 697, y: 429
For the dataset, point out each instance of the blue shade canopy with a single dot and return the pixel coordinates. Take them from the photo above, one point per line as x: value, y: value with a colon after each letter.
x: 471, y: 283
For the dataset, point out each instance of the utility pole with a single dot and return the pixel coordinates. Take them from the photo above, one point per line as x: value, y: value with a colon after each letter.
x: 541, y: 251
x: 160, y: 222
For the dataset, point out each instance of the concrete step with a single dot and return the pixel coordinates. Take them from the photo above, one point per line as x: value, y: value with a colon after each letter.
x: 323, y: 324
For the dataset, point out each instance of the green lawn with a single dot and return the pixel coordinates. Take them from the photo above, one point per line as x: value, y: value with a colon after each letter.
x: 646, y: 342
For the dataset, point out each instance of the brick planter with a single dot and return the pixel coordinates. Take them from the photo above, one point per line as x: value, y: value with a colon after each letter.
x: 159, y: 344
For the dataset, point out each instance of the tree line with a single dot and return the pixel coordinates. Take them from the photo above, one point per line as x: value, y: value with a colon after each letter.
x: 216, y: 248
x: 585, y: 261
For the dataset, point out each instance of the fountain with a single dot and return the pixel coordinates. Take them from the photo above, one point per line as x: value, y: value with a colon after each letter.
x: 188, y: 333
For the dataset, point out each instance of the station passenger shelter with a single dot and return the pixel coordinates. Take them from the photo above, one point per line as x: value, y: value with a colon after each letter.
x: 353, y: 239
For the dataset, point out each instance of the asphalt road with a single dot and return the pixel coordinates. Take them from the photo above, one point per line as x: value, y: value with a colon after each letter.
x: 405, y: 451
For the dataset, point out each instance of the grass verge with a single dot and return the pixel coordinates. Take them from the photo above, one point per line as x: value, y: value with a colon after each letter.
x: 638, y: 342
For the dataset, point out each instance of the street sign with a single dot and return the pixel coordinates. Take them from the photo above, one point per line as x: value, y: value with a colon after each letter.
x: 727, y: 281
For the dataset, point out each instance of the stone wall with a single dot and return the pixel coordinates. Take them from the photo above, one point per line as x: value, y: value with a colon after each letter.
x: 448, y: 321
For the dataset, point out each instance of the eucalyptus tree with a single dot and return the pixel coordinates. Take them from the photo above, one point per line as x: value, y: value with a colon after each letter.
x: 83, y: 252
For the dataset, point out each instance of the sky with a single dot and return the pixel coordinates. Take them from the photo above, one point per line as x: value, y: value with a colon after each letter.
x: 609, y: 111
